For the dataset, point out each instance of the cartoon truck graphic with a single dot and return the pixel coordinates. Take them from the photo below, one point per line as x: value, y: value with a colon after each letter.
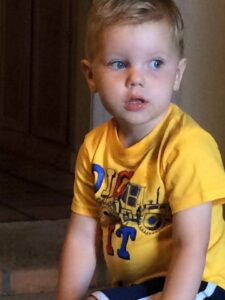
x: 126, y: 208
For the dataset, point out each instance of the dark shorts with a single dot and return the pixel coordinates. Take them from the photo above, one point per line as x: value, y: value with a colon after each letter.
x: 207, y: 291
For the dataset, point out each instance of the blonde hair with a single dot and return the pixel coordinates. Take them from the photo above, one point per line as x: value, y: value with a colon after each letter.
x: 104, y: 13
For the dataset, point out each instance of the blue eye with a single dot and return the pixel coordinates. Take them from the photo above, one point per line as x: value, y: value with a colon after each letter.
x: 118, y: 65
x: 155, y: 64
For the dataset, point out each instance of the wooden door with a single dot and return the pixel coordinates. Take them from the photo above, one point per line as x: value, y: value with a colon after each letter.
x: 44, y: 103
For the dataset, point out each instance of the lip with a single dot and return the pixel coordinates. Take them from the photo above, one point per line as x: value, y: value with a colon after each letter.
x: 135, y: 103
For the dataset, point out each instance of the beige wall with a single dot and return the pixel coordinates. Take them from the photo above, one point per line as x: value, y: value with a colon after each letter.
x: 203, y: 89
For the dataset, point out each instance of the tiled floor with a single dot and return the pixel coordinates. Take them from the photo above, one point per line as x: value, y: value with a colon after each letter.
x: 21, y: 200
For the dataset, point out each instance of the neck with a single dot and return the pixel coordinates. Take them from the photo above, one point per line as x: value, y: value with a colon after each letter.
x: 130, y: 135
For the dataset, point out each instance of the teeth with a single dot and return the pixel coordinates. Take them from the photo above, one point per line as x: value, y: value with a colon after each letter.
x: 137, y: 100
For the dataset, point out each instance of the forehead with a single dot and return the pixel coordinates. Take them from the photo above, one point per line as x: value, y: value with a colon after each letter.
x: 150, y: 36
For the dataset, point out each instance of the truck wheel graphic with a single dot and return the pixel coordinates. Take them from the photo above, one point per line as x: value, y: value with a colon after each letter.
x: 150, y: 222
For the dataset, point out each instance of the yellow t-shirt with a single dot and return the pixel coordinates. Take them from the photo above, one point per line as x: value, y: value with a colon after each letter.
x: 135, y: 191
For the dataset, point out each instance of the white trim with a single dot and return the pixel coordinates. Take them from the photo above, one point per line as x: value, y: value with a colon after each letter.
x: 156, y: 296
x: 99, y: 295
x: 207, y: 292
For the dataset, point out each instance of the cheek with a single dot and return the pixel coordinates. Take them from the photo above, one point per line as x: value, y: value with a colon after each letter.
x: 109, y: 85
x: 167, y: 82
x: 105, y: 91
x: 162, y: 89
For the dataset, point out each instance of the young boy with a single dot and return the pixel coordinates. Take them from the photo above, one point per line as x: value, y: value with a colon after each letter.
x: 151, y: 177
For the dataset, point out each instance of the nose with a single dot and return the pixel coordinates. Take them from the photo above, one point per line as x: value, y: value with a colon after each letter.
x: 135, y: 78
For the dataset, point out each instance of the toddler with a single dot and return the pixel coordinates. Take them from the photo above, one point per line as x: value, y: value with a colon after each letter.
x: 151, y: 178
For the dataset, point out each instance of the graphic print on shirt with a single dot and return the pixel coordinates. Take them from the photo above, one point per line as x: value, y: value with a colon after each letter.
x: 124, y: 202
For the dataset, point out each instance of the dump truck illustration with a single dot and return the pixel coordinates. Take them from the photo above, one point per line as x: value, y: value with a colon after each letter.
x: 149, y: 216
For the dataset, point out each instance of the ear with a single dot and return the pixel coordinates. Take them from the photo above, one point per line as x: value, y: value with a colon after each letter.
x: 180, y: 71
x: 87, y: 69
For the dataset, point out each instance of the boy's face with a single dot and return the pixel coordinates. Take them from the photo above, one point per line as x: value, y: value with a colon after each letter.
x: 135, y: 72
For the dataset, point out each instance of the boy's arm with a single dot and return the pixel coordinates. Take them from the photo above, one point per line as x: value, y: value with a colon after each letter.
x: 78, y: 258
x: 191, y: 230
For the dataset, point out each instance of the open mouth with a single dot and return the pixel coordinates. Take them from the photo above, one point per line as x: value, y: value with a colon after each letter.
x: 135, y: 104
x: 137, y: 100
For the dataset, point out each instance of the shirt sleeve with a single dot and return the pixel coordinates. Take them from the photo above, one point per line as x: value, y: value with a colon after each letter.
x: 194, y: 171
x: 84, y: 202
